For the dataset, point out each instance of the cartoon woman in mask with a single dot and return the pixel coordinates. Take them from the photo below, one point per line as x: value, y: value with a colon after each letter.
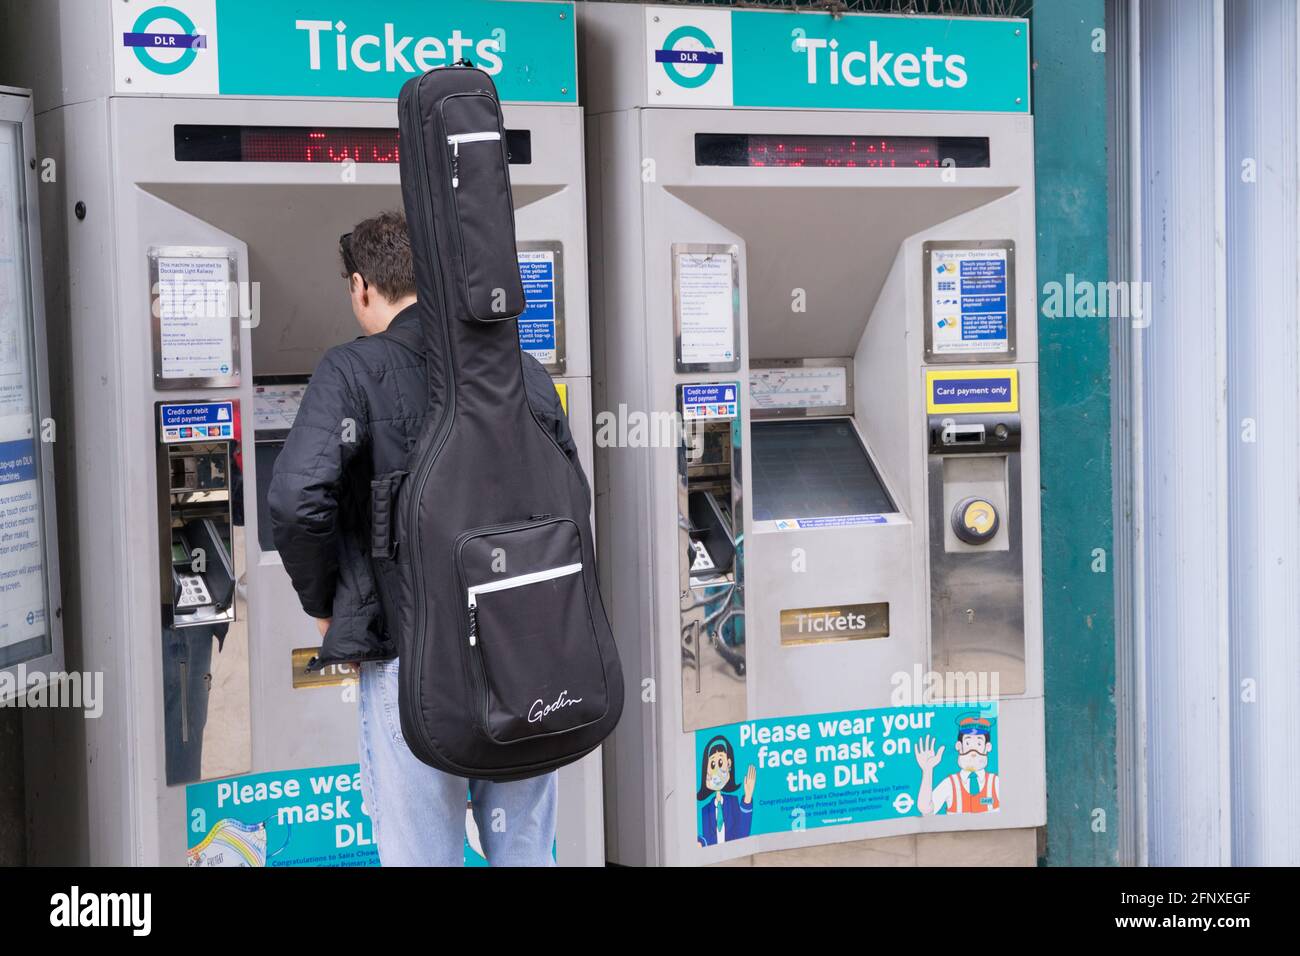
x: 724, y: 817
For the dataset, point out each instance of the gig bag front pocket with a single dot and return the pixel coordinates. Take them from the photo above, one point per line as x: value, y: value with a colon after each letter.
x: 534, y: 662
x: 484, y: 252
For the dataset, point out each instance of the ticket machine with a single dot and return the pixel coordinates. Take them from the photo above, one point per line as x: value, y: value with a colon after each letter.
x: 813, y: 251
x: 210, y: 153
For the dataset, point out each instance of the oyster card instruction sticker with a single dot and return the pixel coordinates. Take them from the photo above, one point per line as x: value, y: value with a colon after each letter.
x: 969, y: 298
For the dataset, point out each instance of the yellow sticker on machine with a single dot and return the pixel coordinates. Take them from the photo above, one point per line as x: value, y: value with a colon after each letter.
x: 964, y: 391
x: 331, y: 675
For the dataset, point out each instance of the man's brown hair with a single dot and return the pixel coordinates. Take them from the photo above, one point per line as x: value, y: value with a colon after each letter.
x: 380, y: 249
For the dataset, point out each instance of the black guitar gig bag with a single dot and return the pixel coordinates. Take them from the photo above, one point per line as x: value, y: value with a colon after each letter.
x: 508, y: 665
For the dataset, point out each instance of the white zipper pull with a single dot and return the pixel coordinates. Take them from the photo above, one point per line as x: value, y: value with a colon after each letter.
x: 455, y: 168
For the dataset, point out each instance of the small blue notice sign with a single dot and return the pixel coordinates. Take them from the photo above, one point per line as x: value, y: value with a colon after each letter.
x: 537, y: 326
x: 196, y: 421
x: 709, y: 401
x: 970, y: 299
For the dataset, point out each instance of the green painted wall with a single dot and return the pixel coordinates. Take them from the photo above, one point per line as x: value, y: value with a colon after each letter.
x: 1070, y: 130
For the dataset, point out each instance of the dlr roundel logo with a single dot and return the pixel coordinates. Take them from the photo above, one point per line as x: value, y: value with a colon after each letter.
x: 169, y: 50
x: 681, y: 62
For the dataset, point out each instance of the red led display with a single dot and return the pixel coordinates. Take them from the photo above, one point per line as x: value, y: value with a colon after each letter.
x: 849, y: 152
x: 307, y: 145
x: 839, y: 152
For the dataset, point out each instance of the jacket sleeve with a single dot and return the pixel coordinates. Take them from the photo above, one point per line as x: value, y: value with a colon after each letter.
x: 548, y: 408
x: 303, y: 499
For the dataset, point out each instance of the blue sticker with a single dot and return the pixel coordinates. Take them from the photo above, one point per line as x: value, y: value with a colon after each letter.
x: 842, y: 521
x: 189, y: 421
x: 538, y: 334
x: 709, y: 401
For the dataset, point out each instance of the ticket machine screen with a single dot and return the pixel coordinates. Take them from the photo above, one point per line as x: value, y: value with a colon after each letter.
x: 813, y: 468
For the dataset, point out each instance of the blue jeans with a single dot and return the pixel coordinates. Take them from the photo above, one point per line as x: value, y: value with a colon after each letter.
x: 419, y: 813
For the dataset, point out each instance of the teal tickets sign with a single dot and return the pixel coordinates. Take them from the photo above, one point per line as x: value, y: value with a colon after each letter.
x: 711, y: 57
x: 341, y: 48
x: 858, y: 766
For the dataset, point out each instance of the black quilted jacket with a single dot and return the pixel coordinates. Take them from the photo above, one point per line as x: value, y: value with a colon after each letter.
x: 359, y: 419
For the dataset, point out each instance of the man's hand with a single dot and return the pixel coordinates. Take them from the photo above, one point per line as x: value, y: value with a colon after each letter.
x: 927, y: 758
x: 323, y: 624
x: 926, y: 755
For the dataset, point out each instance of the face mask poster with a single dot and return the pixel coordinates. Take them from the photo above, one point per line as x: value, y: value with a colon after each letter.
x: 858, y: 766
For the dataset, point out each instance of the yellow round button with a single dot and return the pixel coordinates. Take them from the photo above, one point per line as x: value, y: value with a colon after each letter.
x: 975, y: 520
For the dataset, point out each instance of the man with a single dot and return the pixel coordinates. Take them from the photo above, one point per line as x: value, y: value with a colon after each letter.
x: 359, y: 419
x: 973, y: 789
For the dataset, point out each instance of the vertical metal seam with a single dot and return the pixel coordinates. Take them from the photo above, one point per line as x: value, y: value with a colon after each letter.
x: 1137, y: 426
x: 1221, y: 437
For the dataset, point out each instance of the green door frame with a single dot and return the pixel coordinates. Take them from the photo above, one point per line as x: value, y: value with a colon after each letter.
x: 1070, y: 140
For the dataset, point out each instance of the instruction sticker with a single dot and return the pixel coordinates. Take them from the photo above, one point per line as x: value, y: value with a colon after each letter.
x: 970, y: 295
x: 194, y: 317
x: 537, y: 326
x: 972, y: 391
x: 838, y: 521
x: 706, y: 305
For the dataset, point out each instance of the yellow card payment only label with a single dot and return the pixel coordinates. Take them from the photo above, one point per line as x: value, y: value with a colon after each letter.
x: 972, y: 390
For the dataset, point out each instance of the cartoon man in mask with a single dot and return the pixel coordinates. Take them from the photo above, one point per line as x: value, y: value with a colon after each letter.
x: 973, y: 789
x: 724, y: 817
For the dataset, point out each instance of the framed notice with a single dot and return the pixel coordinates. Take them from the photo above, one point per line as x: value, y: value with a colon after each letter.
x: 541, y: 327
x: 31, y: 637
x: 706, y: 307
x: 970, y: 300
x: 194, y: 315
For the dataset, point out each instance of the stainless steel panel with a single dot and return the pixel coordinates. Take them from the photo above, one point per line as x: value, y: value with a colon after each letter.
x: 713, y: 665
x: 977, y: 597
x: 207, y: 725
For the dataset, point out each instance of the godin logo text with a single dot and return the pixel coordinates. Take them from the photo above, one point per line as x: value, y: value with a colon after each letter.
x: 540, y: 710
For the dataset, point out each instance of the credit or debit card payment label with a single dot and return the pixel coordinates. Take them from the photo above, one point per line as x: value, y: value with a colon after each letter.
x: 195, y: 421
x: 709, y: 401
x: 972, y: 391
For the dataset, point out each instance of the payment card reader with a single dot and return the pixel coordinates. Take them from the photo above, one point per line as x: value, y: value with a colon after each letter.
x: 196, y: 471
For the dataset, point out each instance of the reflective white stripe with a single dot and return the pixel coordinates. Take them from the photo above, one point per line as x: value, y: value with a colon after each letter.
x: 519, y: 580
x: 457, y: 138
